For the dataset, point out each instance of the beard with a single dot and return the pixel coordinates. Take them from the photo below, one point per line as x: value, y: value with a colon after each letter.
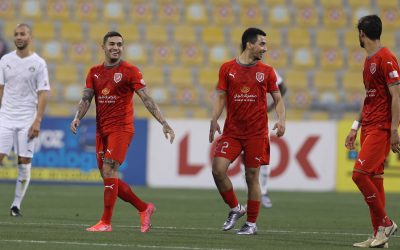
x: 21, y: 46
x: 361, y: 43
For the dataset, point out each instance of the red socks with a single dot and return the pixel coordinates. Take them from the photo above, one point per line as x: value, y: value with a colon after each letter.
x: 126, y: 194
x: 253, y: 208
x: 110, y: 196
x: 372, y: 197
x: 230, y: 198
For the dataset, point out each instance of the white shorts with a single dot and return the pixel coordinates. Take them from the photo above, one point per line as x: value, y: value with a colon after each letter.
x: 17, y: 137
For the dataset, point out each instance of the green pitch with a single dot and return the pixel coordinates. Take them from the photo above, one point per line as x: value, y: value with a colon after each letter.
x: 55, y: 217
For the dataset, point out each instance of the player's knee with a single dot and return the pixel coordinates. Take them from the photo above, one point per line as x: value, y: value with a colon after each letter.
x: 24, y: 171
x: 24, y: 160
x: 110, y: 167
x: 251, y: 175
x: 358, y: 176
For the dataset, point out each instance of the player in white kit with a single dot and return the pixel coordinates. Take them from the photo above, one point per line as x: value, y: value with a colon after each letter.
x: 24, y: 86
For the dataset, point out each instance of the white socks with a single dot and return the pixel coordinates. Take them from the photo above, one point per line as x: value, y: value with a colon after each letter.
x: 24, y: 177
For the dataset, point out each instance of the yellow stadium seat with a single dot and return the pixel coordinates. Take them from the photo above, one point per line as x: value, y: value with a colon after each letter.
x: 66, y: 74
x: 217, y: 55
x: 181, y: 77
x: 299, y: 96
x: 390, y: 17
x: 327, y: 38
x: 388, y: 39
x: 299, y: 37
x: 325, y: 83
x: 354, y: 4
x: 71, y: 31
x: 58, y: 10
x: 303, y: 58
x: 174, y: 111
x: 31, y: 10
x: 7, y: 9
x: 130, y: 33
x: 334, y: 16
x: 156, y: 33
x: 96, y: 31
x: 213, y: 35
x: 169, y: 11
x: 235, y: 35
x: 351, y: 38
x: 359, y: 12
x: 99, y: 54
x: 196, y: 13
x: 277, y: 57
x: 185, y: 34
x: 306, y: 15
x: 53, y: 51
x: 80, y: 52
x: 208, y: 77
x: 353, y: 87
x: 279, y: 15
x: 164, y: 54
x: 85, y: 10
x: 140, y: 111
x: 191, y: 54
x: 293, y: 114
x: 58, y: 109
x: 43, y: 31
x: 355, y: 58
x: 250, y: 14
x: 331, y: 59
x: 114, y: 11
x: 187, y: 96
x: 72, y: 92
x: 330, y: 3
x: 136, y: 53
x: 222, y: 12
x: 160, y: 94
x: 154, y: 76
x: 142, y: 11
x: 199, y: 112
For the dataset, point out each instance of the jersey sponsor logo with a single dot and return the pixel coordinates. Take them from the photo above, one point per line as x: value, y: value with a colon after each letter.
x: 260, y: 76
x: 117, y: 77
x: 372, y: 68
x: 393, y: 74
x: 105, y: 91
x: 245, y: 89
x: 31, y: 69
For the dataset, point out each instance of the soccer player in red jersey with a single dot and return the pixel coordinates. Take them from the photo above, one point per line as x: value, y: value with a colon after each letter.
x: 113, y: 84
x: 242, y: 86
x: 379, y: 120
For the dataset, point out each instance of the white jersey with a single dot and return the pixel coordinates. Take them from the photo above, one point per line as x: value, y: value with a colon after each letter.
x: 22, y: 79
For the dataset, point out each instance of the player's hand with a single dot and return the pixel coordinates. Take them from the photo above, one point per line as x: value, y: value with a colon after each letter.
x: 214, y: 126
x: 34, y: 130
x: 168, y: 131
x: 350, y: 139
x: 74, y: 126
x: 394, y: 141
x: 280, y: 129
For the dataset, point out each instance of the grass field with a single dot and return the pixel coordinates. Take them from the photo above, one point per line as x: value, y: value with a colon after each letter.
x: 55, y: 217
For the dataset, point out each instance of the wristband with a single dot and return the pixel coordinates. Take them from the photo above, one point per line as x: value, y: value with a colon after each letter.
x: 355, y: 125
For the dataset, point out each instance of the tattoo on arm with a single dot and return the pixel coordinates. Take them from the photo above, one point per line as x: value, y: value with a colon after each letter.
x: 84, y: 103
x: 151, y: 106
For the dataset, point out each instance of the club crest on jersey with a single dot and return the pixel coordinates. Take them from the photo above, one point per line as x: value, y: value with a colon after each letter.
x: 117, y: 77
x: 32, y: 69
x: 372, y: 68
x: 259, y: 76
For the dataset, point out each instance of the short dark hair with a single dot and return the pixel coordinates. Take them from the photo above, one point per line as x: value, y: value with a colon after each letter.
x: 250, y: 35
x: 371, y: 25
x: 111, y: 34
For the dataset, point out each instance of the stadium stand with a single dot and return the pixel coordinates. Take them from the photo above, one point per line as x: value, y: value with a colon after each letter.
x: 314, y: 43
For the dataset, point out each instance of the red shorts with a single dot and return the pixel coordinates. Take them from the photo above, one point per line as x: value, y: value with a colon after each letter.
x: 112, y: 146
x: 266, y: 155
x: 375, y: 146
x: 230, y: 148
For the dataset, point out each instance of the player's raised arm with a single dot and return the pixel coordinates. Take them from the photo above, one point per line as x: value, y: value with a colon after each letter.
x: 153, y: 108
x: 280, y: 111
x: 83, y: 107
x: 218, y: 107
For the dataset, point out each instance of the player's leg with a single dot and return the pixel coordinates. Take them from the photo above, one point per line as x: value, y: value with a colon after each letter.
x: 265, y: 171
x: 226, y: 151
x: 253, y: 152
x: 24, y: 148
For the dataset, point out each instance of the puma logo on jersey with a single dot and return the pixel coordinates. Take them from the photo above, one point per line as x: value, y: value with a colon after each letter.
x: 233, y: 75
x: 97, y: 76
x: 110, y: 186
x: 361, y: 161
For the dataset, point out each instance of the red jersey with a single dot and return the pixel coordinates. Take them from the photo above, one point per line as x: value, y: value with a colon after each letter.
x: 380, y: 71
x: 246, y: 88
x: 113, y: 90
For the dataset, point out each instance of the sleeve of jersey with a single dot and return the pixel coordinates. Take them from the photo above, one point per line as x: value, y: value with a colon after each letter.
x: 2, y: 82
x: 390, y: 68
x: 272, y: 85
x: 137, y: 79
x: 89, y: 80
x: 43, y: 78
x: 222, y: 82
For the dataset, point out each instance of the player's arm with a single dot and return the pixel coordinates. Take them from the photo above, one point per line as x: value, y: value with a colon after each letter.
x: 153, y: 108
x: 1, y: 93
x: 41, y: 107
x: 283, y: 90
x: 83, y: 107
x: 352, y: 136
x: 280, y: 125
x: 394, y: 135
x: 218, y: 107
